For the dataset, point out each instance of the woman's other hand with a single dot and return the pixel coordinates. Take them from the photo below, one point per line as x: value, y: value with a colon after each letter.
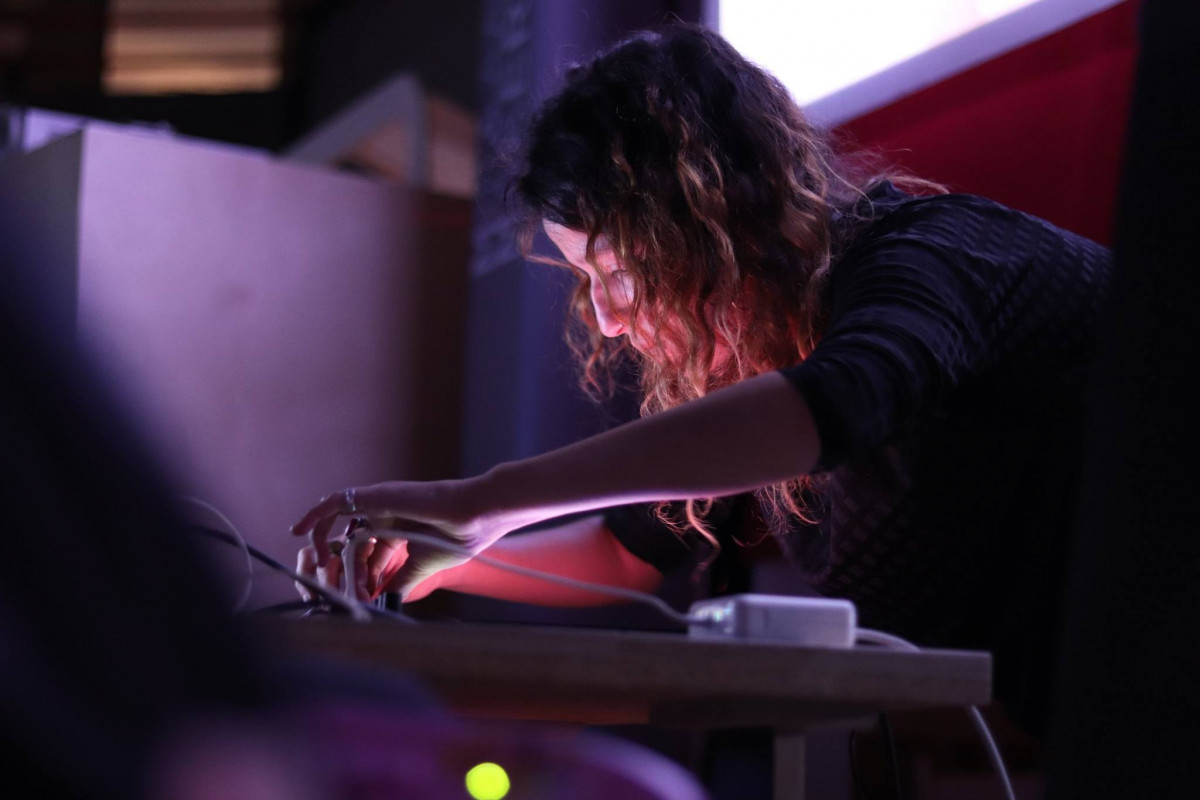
x: 378, y: 571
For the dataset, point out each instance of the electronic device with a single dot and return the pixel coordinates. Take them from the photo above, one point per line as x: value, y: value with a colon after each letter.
x: 806, y: 621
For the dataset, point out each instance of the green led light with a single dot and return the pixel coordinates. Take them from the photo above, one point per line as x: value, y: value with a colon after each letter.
x: 487, y: 781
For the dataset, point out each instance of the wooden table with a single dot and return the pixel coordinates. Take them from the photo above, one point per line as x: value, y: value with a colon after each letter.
x: 604, y: 677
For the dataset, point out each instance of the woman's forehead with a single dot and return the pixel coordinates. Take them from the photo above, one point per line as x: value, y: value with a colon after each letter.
x: 568, y: 240
x: 573, y: 243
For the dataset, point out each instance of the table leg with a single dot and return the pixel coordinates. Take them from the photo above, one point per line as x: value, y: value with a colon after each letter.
x: 789, y: 765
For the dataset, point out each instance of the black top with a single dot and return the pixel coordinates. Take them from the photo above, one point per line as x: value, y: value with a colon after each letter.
x: 947, y: 393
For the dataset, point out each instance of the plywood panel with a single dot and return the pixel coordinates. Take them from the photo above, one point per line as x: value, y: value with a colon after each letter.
x: 282, y: 330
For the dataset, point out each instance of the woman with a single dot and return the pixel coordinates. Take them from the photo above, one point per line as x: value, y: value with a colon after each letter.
x: 892, y: 381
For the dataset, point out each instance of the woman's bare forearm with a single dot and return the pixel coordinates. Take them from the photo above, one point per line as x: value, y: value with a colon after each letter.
x: 752, y: 434
x: 583, y: 549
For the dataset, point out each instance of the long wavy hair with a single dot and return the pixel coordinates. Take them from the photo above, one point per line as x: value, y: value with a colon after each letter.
x: 724, y: 205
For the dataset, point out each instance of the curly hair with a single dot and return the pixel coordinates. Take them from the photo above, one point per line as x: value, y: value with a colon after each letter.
x: 719, y: 200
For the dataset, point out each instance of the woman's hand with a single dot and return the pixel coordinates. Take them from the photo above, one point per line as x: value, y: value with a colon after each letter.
x: 442, y: 509
x: 378, y: 570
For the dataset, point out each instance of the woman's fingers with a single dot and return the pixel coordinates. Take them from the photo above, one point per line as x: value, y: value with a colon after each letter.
x: 320, y: 537
x: 328, y: 506
x: 306, y: 565
x: 412, y: 508
x: 386, y: 559
x: 319, y: 520
x: 362, y: 556
x: 330, y: 575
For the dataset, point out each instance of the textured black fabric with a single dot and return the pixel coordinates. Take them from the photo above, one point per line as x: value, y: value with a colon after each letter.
x: 947, y: 393
x: 639, y: 530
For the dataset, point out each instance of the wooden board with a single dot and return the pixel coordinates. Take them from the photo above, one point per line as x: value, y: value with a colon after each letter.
x: 614, y: 677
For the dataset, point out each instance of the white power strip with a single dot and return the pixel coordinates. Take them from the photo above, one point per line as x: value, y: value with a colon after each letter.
x: 808, y: 621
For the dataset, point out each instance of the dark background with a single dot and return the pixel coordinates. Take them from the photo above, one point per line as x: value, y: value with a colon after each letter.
x: 334, y: 50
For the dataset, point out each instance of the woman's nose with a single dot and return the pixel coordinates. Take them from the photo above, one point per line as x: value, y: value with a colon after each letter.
x: 610, y: 324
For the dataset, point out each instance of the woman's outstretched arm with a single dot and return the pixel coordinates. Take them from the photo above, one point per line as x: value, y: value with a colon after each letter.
x: 748, y: 435
x: 583, y: 549
x: 751, y: 434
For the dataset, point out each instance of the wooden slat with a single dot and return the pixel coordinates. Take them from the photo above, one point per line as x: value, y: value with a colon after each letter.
x: 131, y: 64
x: 193, y: 46
x: 186, y: 42
x: 224, y: 19
x: 200, y: 79
x: 192, y: 6
x: 139, y: 14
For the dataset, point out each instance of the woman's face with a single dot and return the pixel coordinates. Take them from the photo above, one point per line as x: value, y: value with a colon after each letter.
x: 611, y: 287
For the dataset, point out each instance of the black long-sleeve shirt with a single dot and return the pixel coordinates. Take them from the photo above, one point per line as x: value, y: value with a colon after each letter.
x: 947, y: 391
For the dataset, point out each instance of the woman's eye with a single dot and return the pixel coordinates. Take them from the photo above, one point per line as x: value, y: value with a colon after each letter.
x: 622, y: 281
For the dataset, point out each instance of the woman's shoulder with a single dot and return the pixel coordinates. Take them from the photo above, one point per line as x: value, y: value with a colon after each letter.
x: 887, y: 207
x: 952, y: 217
x: 958, y: 226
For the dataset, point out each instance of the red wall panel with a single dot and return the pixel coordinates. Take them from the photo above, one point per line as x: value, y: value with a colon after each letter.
x: 1039, y: 128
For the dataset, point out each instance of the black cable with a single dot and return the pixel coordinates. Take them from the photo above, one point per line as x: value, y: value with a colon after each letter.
x: 890, y: 749
x: 855, y: 777
x: 291, y: 605
x: 230, y: 539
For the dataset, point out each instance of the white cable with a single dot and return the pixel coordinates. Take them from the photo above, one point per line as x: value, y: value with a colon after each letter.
x: 350, y: 578
x: 356, y: 610
x: 993, y: 751
x: 989, y: 743
x: 885, y: 639
x: 232, y: 530
x: 615, y: 591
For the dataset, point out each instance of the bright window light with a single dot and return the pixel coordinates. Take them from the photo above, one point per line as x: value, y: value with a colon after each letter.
x: 818, y: 48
